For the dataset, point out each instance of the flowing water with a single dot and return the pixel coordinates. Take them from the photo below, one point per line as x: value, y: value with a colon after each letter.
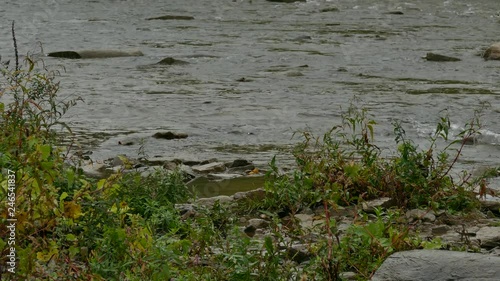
x: 260, y: 71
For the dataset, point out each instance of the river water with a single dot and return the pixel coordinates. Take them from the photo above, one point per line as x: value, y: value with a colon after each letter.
x: 301, y: 66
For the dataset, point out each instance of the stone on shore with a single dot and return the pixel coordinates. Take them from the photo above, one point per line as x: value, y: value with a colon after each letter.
x: 425, y: 265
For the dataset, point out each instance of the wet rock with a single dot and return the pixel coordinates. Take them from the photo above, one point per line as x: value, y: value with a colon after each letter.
x: 489, y: 237
x: 172, y: 17
x: 94, y: 54
x: 383, y: 202
x: 222, y: 199
x: 440, y: 58
x: 239, y: 163
x: 172, y: 61
x: 214, y: 167
x: 286, y: 1
x: 493, y: 52
x: 169, y: 135
x: 424, y: 265
x: 423, y: 215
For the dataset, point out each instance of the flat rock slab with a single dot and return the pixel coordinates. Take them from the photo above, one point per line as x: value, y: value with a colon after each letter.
x: 436, y: 265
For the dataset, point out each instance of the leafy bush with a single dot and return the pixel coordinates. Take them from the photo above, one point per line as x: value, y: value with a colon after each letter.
x: 346, y: 167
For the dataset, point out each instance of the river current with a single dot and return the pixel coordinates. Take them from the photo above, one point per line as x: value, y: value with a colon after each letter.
x: 260, y: 71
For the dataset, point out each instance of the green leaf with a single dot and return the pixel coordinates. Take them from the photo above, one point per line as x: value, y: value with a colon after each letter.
x: 71, y: 237
x: 64, y: 195
x: 268, y: 243
x: 44, y: 150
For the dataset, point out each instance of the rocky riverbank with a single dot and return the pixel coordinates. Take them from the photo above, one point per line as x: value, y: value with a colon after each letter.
x: 477, y: 231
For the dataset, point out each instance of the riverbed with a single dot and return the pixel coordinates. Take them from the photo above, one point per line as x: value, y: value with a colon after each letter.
x: 258, y: 71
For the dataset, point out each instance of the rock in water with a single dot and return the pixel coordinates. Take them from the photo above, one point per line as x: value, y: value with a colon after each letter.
x: 95, y: 54
x: 493, y: 52
x: 172, y: 61
x: 169, y: 135
x: 172, y: 17
x: 425, y: 265
x: 286, y: 1
x: 441, y: 58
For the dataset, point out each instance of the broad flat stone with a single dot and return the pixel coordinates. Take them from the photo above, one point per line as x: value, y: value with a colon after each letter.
x: 437, y: 265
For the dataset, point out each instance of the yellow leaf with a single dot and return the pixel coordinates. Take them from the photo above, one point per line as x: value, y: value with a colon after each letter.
x: 254, y: 172
x: 72, y: 210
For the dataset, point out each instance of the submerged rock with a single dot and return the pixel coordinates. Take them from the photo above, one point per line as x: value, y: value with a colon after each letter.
x: 440, y: 58
x: 424, y: 265
x: 95, y: 54
x: 493, y: 52
x: 172, y: 17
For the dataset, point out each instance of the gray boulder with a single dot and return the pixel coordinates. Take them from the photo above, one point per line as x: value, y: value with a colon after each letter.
x: 493, y: 52
x: 436, y: 265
